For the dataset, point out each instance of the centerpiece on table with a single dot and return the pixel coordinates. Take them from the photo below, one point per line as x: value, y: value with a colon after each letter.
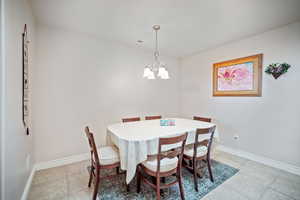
x: 167, y: 122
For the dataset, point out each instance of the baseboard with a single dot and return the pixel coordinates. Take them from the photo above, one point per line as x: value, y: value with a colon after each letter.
x: 61, y: 161
x: 28, y: 184
x: 266, y: 161
x: 50, y: 164
x: 77, y: 158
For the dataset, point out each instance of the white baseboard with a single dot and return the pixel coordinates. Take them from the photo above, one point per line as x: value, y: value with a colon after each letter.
x: 77, y: 158
x: 28, y: 184
x: 50, y: 164
x: 62, y: 161
x: 266, y: 161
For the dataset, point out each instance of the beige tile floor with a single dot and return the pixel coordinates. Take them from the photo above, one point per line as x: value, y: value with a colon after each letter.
x: 254, y: 181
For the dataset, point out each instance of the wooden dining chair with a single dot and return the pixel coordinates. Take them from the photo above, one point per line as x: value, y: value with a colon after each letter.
x: 162, y: 165
x: 204, y: 119
x: 152, y: 117
x: 199, y: 151
x: 103, y: 158
x: 133, y: 119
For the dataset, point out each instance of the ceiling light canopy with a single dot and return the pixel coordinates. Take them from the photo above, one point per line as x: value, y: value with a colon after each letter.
x: 157, y: 69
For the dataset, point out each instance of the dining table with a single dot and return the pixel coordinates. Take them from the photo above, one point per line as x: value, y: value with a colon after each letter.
x: 138, y: 140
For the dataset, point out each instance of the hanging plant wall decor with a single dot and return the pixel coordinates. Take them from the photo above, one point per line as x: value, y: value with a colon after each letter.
x: 277, y: 69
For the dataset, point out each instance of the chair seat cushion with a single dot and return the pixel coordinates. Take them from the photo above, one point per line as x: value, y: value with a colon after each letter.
x: 108, y: 155
x: 201, y: 151
x: 166, y: 164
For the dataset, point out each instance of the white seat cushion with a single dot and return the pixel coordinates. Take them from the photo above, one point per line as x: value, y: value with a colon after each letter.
x: 108, y: 155
x: 166, y: 164
x: 201, y: 151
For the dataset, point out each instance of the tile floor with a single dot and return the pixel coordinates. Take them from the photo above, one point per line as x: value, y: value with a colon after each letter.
x: 254, y: 181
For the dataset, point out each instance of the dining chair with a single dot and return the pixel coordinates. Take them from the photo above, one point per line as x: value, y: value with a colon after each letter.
x: 152, y: 117
x: 164, y: 164
x: 102, y: 158
x: 204, y: 119
x: 133, y: 119
x: 199, y: 151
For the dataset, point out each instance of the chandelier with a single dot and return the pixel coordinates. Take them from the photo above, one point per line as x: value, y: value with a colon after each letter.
x: 158, y: 68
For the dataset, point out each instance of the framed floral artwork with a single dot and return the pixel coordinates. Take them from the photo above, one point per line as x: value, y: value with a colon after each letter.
x: 238, y: 77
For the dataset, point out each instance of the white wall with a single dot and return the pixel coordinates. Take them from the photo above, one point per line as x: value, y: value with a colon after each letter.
x: 81, y: 80
x: 1, y: 89
x: 16, y: 145
x: 269, y: 125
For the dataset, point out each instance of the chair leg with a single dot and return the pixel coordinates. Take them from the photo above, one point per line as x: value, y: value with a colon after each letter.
x: 179, y: 177
x: 195, y: 174
x: 154, y: 182
x: 118, y: 170
x: 199, y: 173
x: 91, y: 177
x: 158, y: 188
x: 127, y: 187
x: 153, y: 179
x: 139, y: 179
x: 209, y: 170
x: 97, y: 182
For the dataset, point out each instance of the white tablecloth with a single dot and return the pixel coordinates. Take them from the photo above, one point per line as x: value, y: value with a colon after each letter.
x: 137, y: 140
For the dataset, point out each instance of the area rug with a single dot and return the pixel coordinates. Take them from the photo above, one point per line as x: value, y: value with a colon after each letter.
x: 115, y: 188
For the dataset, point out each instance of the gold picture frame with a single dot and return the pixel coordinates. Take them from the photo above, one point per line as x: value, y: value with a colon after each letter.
x: 238, y: 77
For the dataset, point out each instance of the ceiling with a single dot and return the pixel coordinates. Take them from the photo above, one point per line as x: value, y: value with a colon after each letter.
x: 187, y: 26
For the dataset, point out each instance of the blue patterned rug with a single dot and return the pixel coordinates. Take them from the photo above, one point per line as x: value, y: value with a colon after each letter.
x: 115, y: 188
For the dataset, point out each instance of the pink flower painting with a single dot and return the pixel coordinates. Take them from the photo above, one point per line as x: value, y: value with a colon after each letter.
x: 236, y: 77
